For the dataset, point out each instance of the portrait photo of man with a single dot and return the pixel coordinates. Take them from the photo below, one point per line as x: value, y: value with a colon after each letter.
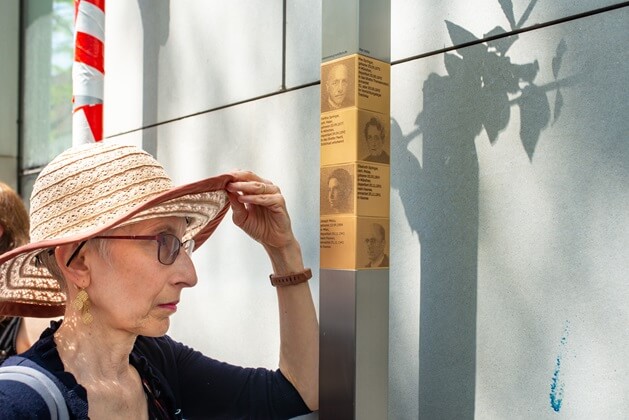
x: 338, y: 192
x: 375, y: 243
x: 375, y: 136
x: 336, y: 87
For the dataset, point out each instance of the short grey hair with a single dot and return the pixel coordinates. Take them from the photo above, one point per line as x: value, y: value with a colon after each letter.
x: 47, y: 259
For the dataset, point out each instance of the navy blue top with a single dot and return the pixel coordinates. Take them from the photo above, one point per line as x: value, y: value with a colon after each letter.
x: 179, y: 382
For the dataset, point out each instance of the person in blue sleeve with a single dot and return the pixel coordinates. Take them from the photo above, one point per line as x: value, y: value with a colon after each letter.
x: 111, y: 238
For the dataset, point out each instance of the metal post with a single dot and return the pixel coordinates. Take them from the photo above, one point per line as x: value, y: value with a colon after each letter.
x: 88, y: 71
x: 354, y: 224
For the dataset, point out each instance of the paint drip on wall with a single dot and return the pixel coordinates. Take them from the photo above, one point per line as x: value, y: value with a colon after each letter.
x: 557, y: 384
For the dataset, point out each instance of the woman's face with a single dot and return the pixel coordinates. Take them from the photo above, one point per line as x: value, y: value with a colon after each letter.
x: 130, y: 289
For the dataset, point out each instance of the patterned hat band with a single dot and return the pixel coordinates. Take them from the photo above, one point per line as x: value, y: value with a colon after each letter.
x: 88, y: 190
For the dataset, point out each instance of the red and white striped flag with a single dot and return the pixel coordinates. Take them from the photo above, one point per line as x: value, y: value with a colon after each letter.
x: 88, y: 71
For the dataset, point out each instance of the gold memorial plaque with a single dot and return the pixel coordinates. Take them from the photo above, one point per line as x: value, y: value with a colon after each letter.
x: 351, y: 135
x: 355, y: 163
x: 338, y: 84
x: 353, y: 243
x: 373, y: 137
x: 373, y: 90
x: 338, y: 242
x: 355, y: 81
x: 372, y: 189
x: 360, y: 189
x: 338, y: 137
x: 372, y: 244
x: 338, y: 189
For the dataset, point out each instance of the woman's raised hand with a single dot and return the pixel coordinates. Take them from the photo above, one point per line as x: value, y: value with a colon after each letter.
x: 259, y: 209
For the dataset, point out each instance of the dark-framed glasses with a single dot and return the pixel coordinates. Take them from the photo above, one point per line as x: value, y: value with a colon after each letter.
x: 168, y: 246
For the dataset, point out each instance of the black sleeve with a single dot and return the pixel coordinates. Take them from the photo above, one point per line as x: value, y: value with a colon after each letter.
x: 209, y: 389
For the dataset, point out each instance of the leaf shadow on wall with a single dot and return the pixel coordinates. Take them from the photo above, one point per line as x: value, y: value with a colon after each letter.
x: 440, y: 195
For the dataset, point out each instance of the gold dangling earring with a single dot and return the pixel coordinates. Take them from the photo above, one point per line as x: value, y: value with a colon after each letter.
x: 80, y: 299
x: 87, y: 317
x: 82, y: 304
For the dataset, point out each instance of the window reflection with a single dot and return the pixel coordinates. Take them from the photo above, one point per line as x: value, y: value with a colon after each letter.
x: 47, y: 44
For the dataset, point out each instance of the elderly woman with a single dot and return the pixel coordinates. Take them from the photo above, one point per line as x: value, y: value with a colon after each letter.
x: 16, y: 333
x: 111, y: 239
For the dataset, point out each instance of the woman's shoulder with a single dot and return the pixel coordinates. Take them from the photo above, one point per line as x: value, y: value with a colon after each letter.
x: 157, y: 348
x: 164, y: 349
x: 27, y: 390
x: 18, y: 400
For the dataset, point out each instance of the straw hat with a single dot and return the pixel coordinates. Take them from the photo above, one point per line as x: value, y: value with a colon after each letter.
x: 88, y: 190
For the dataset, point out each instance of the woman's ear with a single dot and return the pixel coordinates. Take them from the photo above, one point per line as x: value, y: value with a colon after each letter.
x: 77, y: 272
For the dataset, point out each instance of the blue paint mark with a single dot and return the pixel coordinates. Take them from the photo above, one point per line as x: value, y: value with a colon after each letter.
x: 556, y: 389
x: 557, y: 386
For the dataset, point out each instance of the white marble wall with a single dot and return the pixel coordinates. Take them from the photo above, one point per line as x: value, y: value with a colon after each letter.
x: 523, y: 305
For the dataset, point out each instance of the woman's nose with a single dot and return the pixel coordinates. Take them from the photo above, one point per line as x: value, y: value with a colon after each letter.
x: 186, y: 275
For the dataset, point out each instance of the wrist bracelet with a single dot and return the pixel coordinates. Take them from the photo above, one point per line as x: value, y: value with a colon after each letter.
x: 291, y: 279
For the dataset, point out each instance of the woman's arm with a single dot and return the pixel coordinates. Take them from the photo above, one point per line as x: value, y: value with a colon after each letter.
x: 260, y: 210
x: 299, y: 328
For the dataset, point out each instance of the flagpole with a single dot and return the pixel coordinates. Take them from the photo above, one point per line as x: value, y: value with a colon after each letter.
x: 88, y: 71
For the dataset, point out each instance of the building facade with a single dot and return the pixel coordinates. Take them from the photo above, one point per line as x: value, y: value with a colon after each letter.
x: 509, y: 180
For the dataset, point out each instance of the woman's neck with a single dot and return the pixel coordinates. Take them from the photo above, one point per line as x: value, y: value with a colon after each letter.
x: 93, y: 351
x: 99, y: 360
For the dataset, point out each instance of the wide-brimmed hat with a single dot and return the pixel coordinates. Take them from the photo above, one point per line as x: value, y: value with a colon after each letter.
x: 90, y: 189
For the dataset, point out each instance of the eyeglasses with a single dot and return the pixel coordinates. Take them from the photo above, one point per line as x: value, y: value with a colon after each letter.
x: 168, y: 246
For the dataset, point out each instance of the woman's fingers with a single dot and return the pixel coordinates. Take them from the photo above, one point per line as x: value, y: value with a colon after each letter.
x: 259, y: 209
x: 262, y: 187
